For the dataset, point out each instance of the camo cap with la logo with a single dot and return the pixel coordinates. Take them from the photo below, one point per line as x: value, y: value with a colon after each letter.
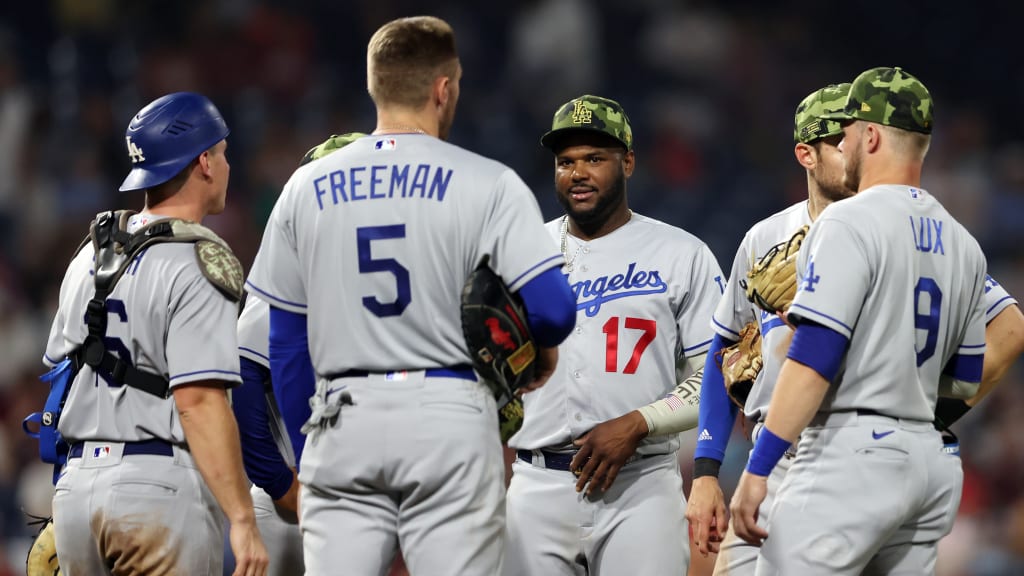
x: 590, y: 112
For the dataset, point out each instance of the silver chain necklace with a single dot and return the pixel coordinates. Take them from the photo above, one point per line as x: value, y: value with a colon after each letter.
x: 565, y: 242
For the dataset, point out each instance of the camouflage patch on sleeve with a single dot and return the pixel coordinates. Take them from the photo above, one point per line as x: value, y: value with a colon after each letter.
x: 220, y: 266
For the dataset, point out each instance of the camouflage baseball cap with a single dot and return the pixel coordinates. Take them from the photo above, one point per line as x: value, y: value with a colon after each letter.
x: 891, y: 97
x: 590, y: 113
x: 808, y: 125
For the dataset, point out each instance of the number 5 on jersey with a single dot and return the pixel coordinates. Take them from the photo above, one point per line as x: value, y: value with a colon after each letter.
x: 648, y: 329
x: 368, y: 265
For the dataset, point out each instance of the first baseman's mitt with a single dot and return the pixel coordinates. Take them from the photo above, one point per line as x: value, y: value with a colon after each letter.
x: 42, y: 556
x: 335, y: 142
x: 741, y: 363
x: 771, y: 281
x: 497, y: 336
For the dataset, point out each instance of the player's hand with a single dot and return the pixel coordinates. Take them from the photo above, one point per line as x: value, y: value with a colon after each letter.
x: 287, y: 506
x: 749, y: 495
x: 544, y: 367
x: 251, y: 557
x: 604, y: 450
x: 784, y: 316
x: 705, y: 511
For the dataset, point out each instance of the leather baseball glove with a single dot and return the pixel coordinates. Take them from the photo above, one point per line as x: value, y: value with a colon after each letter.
x: 771, y: 281
x: 741, y: 363
x: 42, y: 556
x: 497, y: 335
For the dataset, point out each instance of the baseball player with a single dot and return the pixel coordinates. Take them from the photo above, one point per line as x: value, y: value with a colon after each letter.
x: 367, y: 251
x: 815, y: 149
x: 267, y: 451
x: 644, y: 292
x: 889, y: 298
x: 148, y: 465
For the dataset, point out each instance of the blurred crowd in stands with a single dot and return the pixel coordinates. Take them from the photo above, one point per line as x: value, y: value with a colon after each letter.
x: 710, y: 88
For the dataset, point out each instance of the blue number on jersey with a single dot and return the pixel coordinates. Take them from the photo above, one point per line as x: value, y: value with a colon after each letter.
x: 930, y: 321
x: 116, y: 345
x: 367, y: 265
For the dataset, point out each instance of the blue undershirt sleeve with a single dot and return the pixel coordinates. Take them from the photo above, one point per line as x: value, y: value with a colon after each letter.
x: 291, y: 372
x: 550, y: 307
x: 967, y: 368
x: 263, y: 462
x: 717, y: 413
x: 818, y: 347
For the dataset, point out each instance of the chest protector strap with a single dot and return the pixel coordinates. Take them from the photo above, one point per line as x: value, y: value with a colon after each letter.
x: 115, y: 249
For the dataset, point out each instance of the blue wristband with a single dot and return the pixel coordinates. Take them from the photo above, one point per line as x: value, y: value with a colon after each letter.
x: 767, y: 452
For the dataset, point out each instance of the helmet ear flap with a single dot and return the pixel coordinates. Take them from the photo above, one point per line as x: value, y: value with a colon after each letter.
x: 167, y: 134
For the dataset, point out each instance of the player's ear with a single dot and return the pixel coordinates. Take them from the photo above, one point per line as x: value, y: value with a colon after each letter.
x: 872, y: 137
x: 806, y: 155
x: 628, y: 163
x: 203, y: 162
x: 441, y: 91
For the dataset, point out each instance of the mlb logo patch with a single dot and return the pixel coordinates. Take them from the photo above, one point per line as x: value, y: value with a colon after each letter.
x: 385, y: 144
x: 396, y: 376
x: 915, y: 193
x: 101, y: 452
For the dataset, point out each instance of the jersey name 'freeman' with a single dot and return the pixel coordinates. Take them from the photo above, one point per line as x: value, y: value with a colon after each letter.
x: 383, y: 181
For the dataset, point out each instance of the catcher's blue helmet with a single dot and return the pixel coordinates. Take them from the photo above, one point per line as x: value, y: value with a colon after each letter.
x: 167, y: 134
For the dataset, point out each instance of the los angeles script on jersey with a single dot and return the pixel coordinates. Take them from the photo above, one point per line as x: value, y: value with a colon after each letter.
x: 591, y: 294
x: 383, y: 181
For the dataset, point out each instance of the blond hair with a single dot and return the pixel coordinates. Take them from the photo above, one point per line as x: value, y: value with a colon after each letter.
x: 405, y: 56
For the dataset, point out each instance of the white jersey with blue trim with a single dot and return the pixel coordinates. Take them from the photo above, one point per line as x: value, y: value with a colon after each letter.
x: 895, y: 273
x: 735, y: 310
x: 375, y: 241
x: 254, y: 345
x: 164, y: 317
x: 644, y: 297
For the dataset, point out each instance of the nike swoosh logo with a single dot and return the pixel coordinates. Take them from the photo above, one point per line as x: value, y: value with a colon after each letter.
x: 878, y: 436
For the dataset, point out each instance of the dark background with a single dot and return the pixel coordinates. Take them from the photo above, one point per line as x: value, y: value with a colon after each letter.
x: 710, y: 88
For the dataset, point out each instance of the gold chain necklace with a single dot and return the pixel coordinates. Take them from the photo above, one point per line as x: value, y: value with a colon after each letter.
x: 401, y: 128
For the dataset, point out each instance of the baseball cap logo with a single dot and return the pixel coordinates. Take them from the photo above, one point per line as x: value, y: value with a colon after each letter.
x: 134, y: 152
x: 580, y: 113
x: 865, y: 107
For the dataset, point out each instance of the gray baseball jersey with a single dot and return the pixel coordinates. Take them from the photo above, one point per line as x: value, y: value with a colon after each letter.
x: 165, y: 318
x: 254, y: 344
x: 738, y: 557
x: 644, y: 297
x: 734, y: 310
x: 894, y: 272
x: 375, y: 241
x: 644, y: 294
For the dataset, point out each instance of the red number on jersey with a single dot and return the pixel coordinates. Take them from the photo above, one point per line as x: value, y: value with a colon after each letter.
x: 611, y: 331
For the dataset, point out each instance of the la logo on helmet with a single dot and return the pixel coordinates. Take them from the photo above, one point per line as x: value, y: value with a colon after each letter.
x: 134, y: 152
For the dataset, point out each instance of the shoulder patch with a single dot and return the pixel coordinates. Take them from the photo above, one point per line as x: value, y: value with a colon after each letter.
x: 221, y: 268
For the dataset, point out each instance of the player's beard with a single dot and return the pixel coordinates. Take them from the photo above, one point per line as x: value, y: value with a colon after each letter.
x: 851, y: 176
x: 591, y: 220
x: 832, y: 183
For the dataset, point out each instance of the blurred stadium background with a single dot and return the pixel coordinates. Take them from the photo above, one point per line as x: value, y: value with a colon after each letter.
x: 710, y: 87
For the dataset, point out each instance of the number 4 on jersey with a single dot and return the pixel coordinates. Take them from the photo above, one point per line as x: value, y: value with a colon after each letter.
x: 611, y: 331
